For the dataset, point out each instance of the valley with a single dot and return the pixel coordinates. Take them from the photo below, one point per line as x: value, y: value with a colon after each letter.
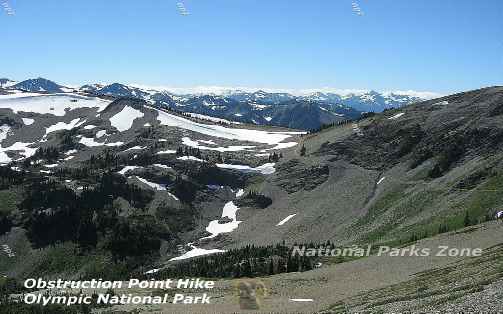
x: 95, y: 186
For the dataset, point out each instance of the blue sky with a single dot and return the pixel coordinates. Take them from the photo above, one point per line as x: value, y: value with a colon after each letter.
x: 433, y: 45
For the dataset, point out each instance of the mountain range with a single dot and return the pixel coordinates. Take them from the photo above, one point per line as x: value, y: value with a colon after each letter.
x: 94, y: 185
x: 306, y: 112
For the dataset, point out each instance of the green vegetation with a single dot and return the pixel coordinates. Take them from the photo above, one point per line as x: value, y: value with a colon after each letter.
x: 485, y: 199
x: 58, y: 259
x: 254, y: 199
x: 22, y: 308
x: 476, y: 206
x: 450, y: 153
x: 247, y: 261
x: 9, y: 200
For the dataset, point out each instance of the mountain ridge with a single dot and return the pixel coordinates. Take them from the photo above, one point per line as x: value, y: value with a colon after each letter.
x: 306, y: 112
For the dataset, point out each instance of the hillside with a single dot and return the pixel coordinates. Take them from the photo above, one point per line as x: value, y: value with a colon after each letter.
x: 138, y: 163
x: 403, y: 174
x: 118, y: 187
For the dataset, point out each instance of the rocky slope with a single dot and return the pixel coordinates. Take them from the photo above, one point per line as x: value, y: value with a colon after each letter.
x: 404, y: 174
x: 134, y: 188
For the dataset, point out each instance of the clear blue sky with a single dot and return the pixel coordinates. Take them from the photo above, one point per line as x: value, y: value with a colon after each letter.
x: 433, y: 45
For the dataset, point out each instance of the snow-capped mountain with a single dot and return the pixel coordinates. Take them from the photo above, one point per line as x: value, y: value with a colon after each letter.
x: 368, y: 101
x: 261, y: 97
x: 91, y: 88
x: 5, y: 82
x: 39, y: 85
x: 121, y: 90
x: 258, y: 107
x: 373, y: 101
x: 306, y: 111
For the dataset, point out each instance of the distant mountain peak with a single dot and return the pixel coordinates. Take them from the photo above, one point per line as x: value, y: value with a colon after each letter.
x: 39, y: 84
x: 5, y: 82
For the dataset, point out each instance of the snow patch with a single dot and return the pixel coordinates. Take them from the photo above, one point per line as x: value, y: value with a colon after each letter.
x: 190, y: 158
x: 210, y: 142
x: 162, y: 166
x: 152, y: 271
x: 257, y: 136
x: 188, y: 142
x: 196, y: 252
x: 135, y: 148
x: 210, y: 118
x: 90, y: 142
x: 55, y: 104
x: 123, y: 120
x: 169, y: 151
x: 155, y: 186
x: 101, y: 133
x: 18, y: 146
x: 264, y: 169
x: 28, y: 121
x: 398, y: 115
x: 282, y: 222
x: 216, y: 228
x: 64, y: 126
x: 127, y: 168
x: 4, y: 131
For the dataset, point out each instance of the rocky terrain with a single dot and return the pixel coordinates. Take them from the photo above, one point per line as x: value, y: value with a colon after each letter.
x: 402, y: 174
x: 98, y: 185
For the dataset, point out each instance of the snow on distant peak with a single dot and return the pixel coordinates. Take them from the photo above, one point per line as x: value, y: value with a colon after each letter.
x: 4, y: 82
x: 331, y: 90
x: 260, y: 91
x: 412, y: 93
